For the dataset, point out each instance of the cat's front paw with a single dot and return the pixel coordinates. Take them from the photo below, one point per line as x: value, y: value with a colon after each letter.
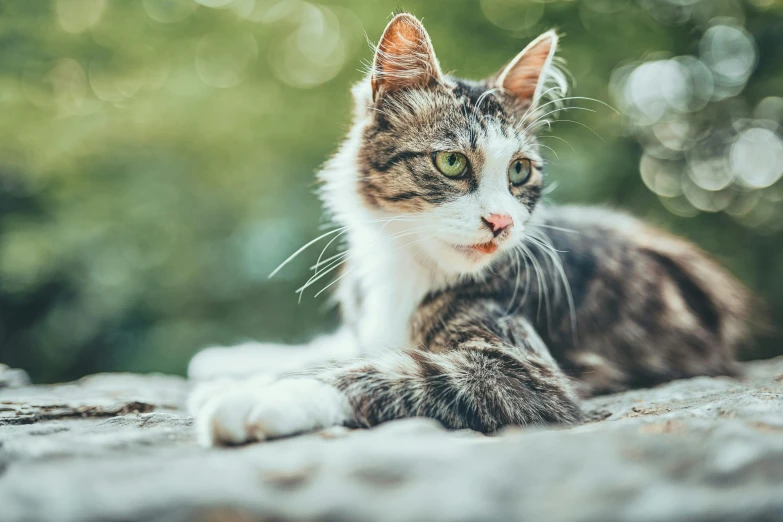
x: 285, y: 407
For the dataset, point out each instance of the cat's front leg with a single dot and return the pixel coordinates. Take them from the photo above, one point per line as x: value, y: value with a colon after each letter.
x: 231, y: 407
x: 250, y: 359
x: 481, y: 383
x: 256, y: 411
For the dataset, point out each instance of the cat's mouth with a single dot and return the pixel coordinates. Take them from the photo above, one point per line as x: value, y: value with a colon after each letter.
x: 490, y: 247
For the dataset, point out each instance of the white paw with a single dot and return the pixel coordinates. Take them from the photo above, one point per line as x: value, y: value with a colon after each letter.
x: 208, y: 390
x: 256, y: 413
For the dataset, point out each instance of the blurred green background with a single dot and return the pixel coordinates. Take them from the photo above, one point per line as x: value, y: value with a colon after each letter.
x: 157, y: 157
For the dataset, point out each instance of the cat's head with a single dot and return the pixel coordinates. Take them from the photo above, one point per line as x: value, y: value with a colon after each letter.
x: 453, y: 162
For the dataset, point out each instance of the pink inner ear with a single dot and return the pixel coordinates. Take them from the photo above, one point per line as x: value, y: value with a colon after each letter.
x: 522, y: 76
x: 405, y: 57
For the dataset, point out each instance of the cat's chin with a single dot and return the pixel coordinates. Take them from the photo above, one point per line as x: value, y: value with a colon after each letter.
x: 464, y: 259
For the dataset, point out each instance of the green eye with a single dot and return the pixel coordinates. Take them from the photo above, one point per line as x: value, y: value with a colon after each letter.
x: 519, y: 171
x: 451, y: 164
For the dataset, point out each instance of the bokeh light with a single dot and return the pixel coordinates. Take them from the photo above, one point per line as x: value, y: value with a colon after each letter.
x: 76, y: 16
x: 730, y: 54
x: 685, y: 110
x: 169, y: 11
x: 757, y: 157
x: 315, y: 52
x: 507, y: 14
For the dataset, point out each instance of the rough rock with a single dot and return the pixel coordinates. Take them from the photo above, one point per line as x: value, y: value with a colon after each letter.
x: 120, y: 447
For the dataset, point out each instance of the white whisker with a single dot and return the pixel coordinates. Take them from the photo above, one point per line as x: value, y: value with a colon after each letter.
x: 559, y: 138
x: 530, y: 126
x: 549, y: 249
x: 322, y: 236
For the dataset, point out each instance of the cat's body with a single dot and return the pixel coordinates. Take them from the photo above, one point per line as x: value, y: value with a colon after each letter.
x: 463, y: 299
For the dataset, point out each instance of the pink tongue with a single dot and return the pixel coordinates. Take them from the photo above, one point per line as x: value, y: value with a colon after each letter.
x: 486, y: 248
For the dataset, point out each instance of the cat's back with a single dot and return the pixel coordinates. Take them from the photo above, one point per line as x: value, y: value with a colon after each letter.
x: 647, y: 306
x: 594, y: 222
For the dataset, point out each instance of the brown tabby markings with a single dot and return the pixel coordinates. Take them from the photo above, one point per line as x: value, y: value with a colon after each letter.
x: 504, y: 344
x: 395, y: 161
x: 647, y: 307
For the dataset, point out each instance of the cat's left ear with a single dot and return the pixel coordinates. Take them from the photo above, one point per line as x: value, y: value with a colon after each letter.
x: 523, y: 78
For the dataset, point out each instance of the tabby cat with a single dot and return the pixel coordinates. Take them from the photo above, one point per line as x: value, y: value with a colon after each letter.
x: 464, y: 299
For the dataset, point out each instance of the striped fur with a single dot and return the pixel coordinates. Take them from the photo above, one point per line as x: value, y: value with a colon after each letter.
x: 448, y: 319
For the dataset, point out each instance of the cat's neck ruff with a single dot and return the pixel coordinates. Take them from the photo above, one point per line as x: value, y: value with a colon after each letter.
x: 385, y: 263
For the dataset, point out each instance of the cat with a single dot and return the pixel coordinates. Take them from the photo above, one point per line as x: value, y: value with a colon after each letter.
x: 464, y: 299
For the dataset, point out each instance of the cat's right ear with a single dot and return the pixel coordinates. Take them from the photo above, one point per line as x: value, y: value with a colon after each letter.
x: 524, y: 77
x: 404, y: 57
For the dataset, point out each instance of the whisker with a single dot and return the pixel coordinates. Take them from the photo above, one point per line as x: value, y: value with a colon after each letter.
x: 534, y: 107
x: 322, y: 236
x: 481, y: 98
x: 302, y: 249
x: 585, y: 126
x: 352, y: 269
x: 560, y: 229
x: 549, y: 249
x: 346, y: 256
x: 543, y: 288
x: 523, y: 256
x: 561, y: 139
x: 591, y: 99
x: 327, y: 260
x: 319, y: 275
x: 335, y: 238
x: 560, y: 101
x: 550, y: 148
x: 567, y: 98
x: 516, y: 285
x: 531, y: 124
x: 550, y: 188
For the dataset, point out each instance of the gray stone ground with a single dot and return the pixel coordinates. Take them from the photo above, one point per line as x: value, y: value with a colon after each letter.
x: 119, y: 447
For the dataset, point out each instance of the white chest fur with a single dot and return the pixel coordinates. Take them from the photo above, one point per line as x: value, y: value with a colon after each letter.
x: 385, y: 276
x: 388, y: 280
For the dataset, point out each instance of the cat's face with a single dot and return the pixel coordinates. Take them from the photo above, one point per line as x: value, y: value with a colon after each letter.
x: 454, y: 159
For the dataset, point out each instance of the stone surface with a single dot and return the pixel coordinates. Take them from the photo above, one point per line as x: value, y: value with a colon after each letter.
x: 121, y: 447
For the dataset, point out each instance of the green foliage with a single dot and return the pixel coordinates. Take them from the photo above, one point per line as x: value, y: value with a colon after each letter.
x: 157, y: 157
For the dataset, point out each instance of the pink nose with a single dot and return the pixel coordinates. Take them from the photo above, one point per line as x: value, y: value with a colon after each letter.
x: 497, y: 223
